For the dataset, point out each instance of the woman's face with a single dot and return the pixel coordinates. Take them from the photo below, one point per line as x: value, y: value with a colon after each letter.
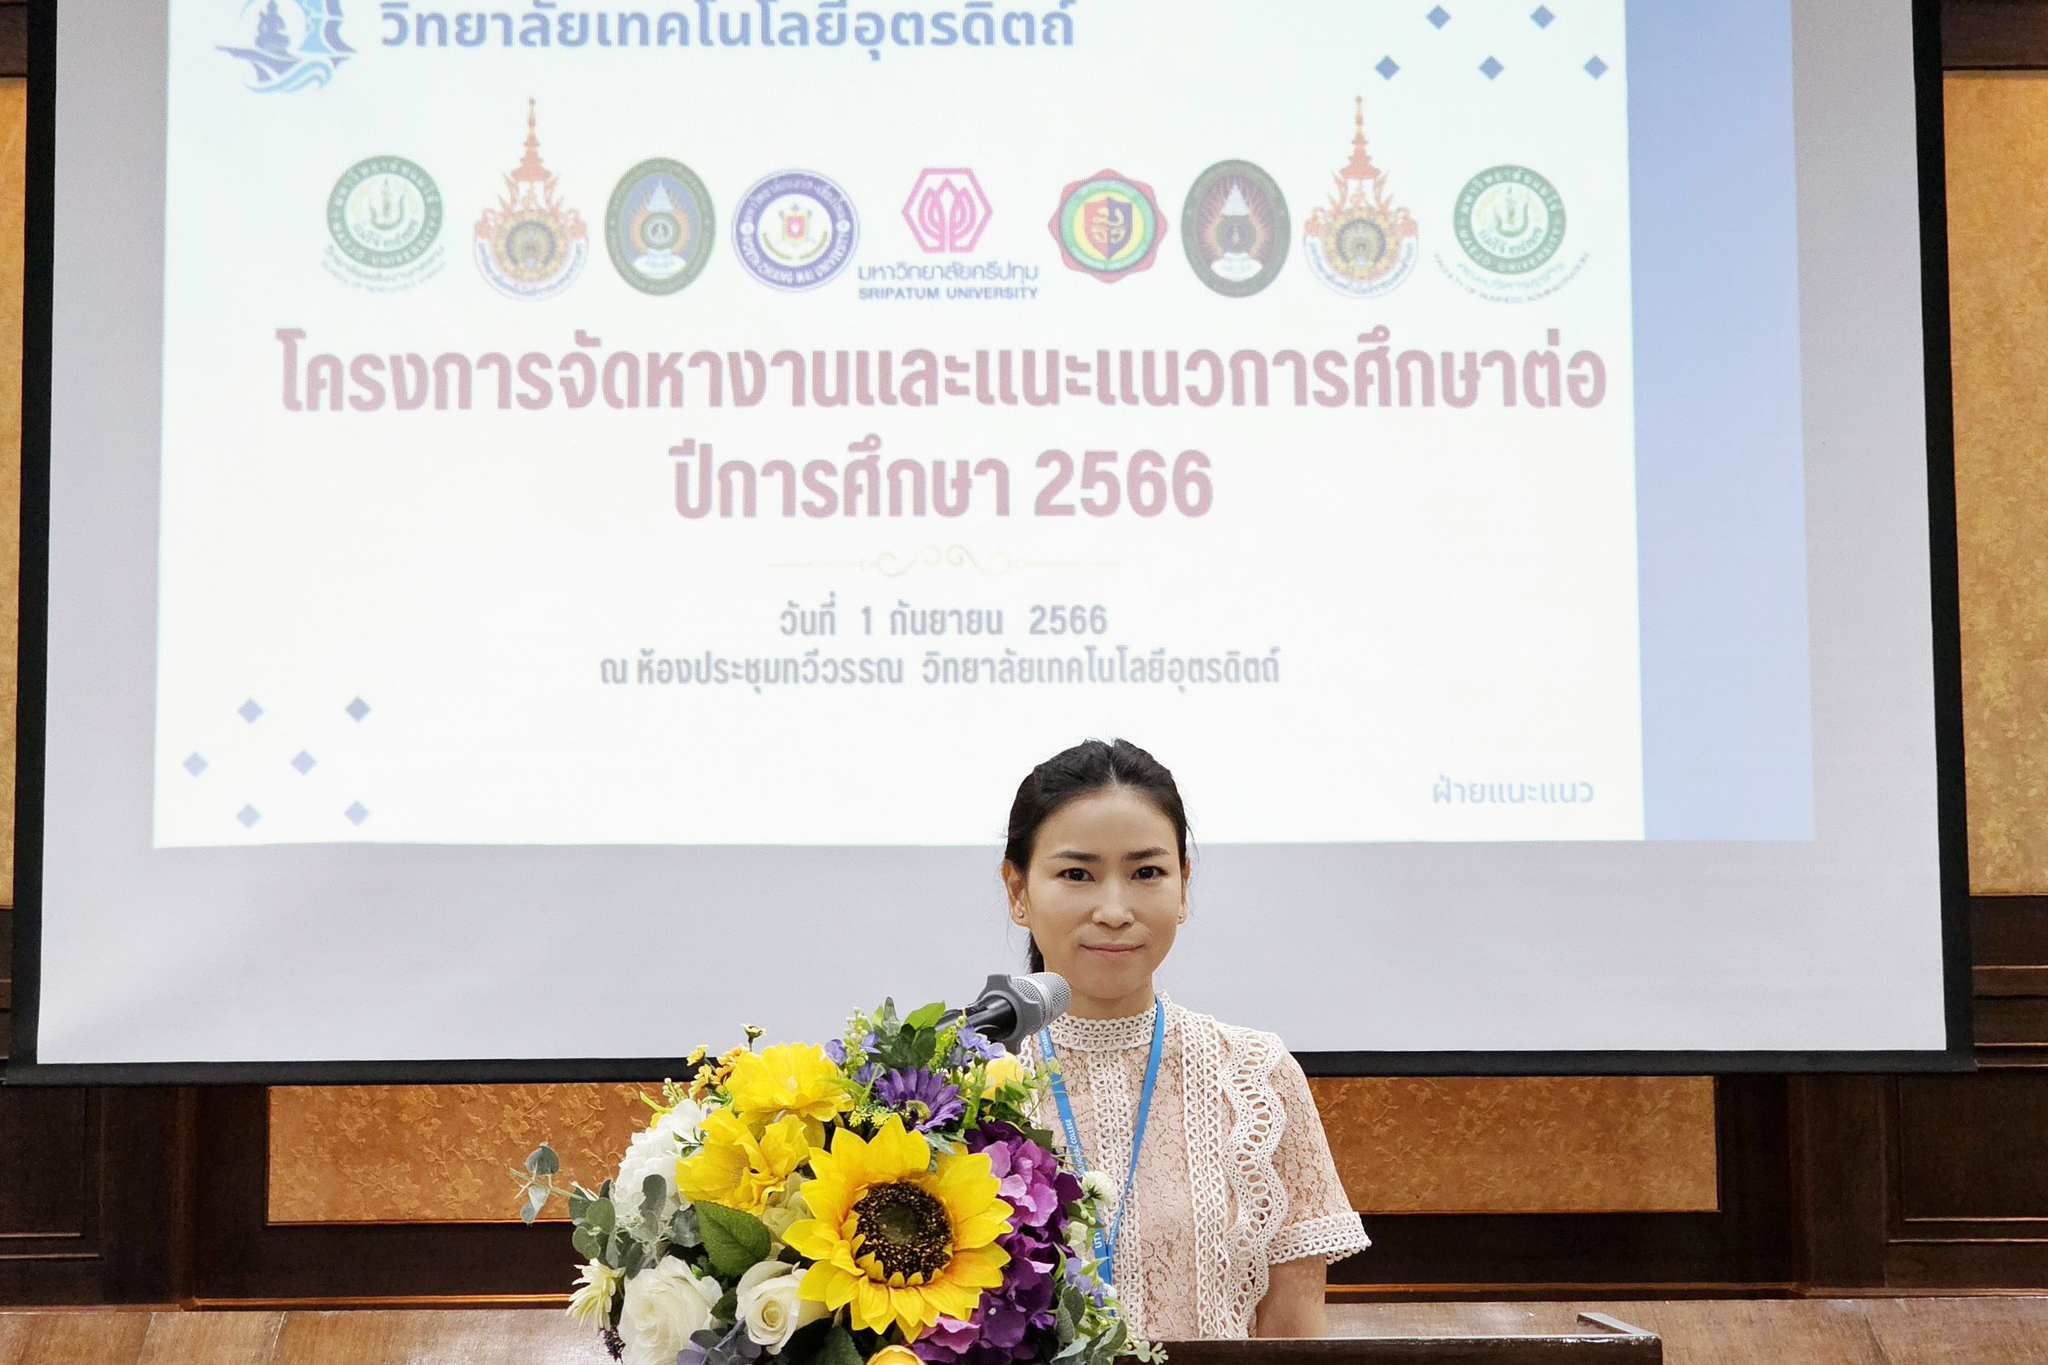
x: 1105, y: 892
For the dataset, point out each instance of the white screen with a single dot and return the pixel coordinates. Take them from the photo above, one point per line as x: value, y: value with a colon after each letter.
x: 574, y: 506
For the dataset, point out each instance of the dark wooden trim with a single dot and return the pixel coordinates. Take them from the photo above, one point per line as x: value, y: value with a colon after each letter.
x: 1994, y: 35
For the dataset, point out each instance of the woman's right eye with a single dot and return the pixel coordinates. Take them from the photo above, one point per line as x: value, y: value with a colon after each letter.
x: 1073, y: 874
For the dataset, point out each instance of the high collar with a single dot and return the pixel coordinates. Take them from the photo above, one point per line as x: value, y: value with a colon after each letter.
x: 1071, y: 1034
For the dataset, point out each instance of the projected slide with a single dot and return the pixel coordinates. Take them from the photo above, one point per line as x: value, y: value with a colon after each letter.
x: 649, y: 427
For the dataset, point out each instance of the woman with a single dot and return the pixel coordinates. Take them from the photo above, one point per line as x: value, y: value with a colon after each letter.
x: 1234, y: 1209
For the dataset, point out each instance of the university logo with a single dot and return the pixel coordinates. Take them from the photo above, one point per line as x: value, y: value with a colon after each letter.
x: 1235, y: 228
x: 659, y: 226
x: 384, y: 215
x: 294, y: 46
x: 1361, y: 243
x: 795, y: 230
x: 1510, y: 220
x: 1108, y: 226
x: 947, y: 211
x: 529, y: 245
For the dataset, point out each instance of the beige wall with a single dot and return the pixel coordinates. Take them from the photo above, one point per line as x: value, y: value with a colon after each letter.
x: 1421, y: 1145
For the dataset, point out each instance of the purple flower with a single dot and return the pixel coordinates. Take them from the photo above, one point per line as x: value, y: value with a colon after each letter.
x: 1034, y: 1184
x: 1014, y: 1322
x: 972, y: 1045
x: 924, y: 1097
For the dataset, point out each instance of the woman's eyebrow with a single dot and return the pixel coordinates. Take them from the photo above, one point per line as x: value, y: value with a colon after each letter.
x: 1075, y: 855
x: 1143, y: 854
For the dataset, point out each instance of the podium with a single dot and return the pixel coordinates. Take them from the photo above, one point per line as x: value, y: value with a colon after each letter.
x: 1605, y: 1341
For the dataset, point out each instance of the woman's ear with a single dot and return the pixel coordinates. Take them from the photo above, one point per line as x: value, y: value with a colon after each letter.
x: 1187, y: 872
x: 1013, y: 885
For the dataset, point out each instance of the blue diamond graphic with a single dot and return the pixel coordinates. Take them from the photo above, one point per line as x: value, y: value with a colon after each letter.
x: 1490, y: 68
x: 304, y: 763
x: 357, y: 813
x: 194, y: 765
x: 1542, y: 18
x: 1438, y: 16
x: 249, y: 710
x: 249, y: 815
x: 1596, y: 68
x: 358, y: 708
x: 1387, y: 67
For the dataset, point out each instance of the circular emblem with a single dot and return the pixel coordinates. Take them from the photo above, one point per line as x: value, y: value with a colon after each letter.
x: 384, y: 213
x: 1235, y: 228
x: 1108, y: 226
x: 659, y: 226
x: 795, y: 230
x: 1510, y: 220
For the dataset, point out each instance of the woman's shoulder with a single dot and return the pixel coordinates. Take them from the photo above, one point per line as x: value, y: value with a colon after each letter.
x: 1256, y: 1047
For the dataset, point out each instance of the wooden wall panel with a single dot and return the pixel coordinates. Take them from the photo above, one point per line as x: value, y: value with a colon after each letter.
x: 343, y: 1154
x: 13, y: 141
x: 1998, y: 263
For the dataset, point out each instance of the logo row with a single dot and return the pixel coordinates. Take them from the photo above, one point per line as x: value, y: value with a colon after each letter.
x: 796, y: 230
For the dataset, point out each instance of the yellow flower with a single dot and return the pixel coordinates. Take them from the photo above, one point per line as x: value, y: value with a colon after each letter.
x: 737, y: 1167
x: 1004, y: 1070
x: 895, y: 1355
x: 789, y: 1078
x: 901, y: 1244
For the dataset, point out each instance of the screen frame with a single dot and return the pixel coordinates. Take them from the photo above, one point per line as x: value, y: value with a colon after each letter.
x: 22, y: 1066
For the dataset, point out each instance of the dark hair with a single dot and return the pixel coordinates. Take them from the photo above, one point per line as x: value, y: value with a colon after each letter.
x: 1092, y: 766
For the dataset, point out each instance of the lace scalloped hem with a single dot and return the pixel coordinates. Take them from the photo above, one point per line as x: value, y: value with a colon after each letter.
x: 1332, y: 1237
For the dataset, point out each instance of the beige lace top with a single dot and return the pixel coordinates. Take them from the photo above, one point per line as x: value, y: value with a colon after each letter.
x: 1235, y: 1175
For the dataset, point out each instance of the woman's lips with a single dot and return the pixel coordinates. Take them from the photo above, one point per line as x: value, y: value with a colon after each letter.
x: 1111, y: 947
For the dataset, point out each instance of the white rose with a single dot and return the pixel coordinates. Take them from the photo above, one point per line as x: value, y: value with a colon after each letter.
x: 653, y: 1151
x: 665, y: 1303
x: 769, y: 1306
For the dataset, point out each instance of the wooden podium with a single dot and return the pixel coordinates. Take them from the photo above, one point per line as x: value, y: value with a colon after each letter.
x: 1607, y: 1341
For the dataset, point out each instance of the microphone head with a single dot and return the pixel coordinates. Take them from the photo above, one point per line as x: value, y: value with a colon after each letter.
x: 1044, y: 997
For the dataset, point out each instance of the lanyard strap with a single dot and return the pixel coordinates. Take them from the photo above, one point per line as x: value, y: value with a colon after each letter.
x: 1105, y: 1247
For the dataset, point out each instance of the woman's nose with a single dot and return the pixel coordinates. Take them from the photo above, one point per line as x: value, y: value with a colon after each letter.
x: 1111, y: 910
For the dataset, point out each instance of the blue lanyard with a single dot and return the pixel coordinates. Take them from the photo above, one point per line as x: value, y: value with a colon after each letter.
x: 1105, y: 1247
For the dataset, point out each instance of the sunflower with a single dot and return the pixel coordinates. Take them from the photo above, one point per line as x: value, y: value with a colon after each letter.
x: 904, y: 1243
x: 739, y: 1168
x: 789, y: 1078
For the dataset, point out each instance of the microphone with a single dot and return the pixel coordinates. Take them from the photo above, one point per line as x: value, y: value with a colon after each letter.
x: 1012, y: 1008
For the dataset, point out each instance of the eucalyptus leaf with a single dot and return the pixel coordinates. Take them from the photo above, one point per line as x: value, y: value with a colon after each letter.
x: 653, y: 1194
x: 542, y: 1161
x: 602, y: 1215
x: 536, y: 1200
x: 588, y: 1241
x: 579, y: 1203
x: 734, y: 1241
x: 634, y: 1256
x: 682, y: 1227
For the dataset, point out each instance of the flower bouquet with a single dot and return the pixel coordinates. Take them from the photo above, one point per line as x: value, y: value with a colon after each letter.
x: 887, y: 1198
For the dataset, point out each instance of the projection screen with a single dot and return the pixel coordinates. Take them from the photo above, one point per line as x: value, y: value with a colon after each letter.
x: 556, y: 532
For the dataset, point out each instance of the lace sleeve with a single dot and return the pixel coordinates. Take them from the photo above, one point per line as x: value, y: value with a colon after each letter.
x: 1320, y: 1220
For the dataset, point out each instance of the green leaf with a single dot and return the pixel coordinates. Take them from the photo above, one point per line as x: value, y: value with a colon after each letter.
x: 928, y: 1016
x: 682, y: 1227
x: 805, y: 1345
x: 734, y: 1241
x: 725, y: 1309
x: 653, y: 1194
x: 602, y: 1216
x: 536, y: 1200
x: 838, y: 1348
x: 588, y: 1241
x: 634, y: 1255
x: 579, y: 1203
x: 543, y: 1161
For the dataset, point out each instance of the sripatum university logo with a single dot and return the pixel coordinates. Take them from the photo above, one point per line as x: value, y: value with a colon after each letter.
x: 795, y: 230
x: 384, y: 216
x: 1235, y: 228
x: 1108, y: 226
x: 529, y: 245
x: 292, y: 46
x: 1361, y: 242
x: 947, y: 210
x: 1510, y: 223
x: 659, y: 226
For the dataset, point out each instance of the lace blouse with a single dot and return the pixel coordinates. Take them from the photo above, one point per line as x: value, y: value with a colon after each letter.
x: 1235, y: 1176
